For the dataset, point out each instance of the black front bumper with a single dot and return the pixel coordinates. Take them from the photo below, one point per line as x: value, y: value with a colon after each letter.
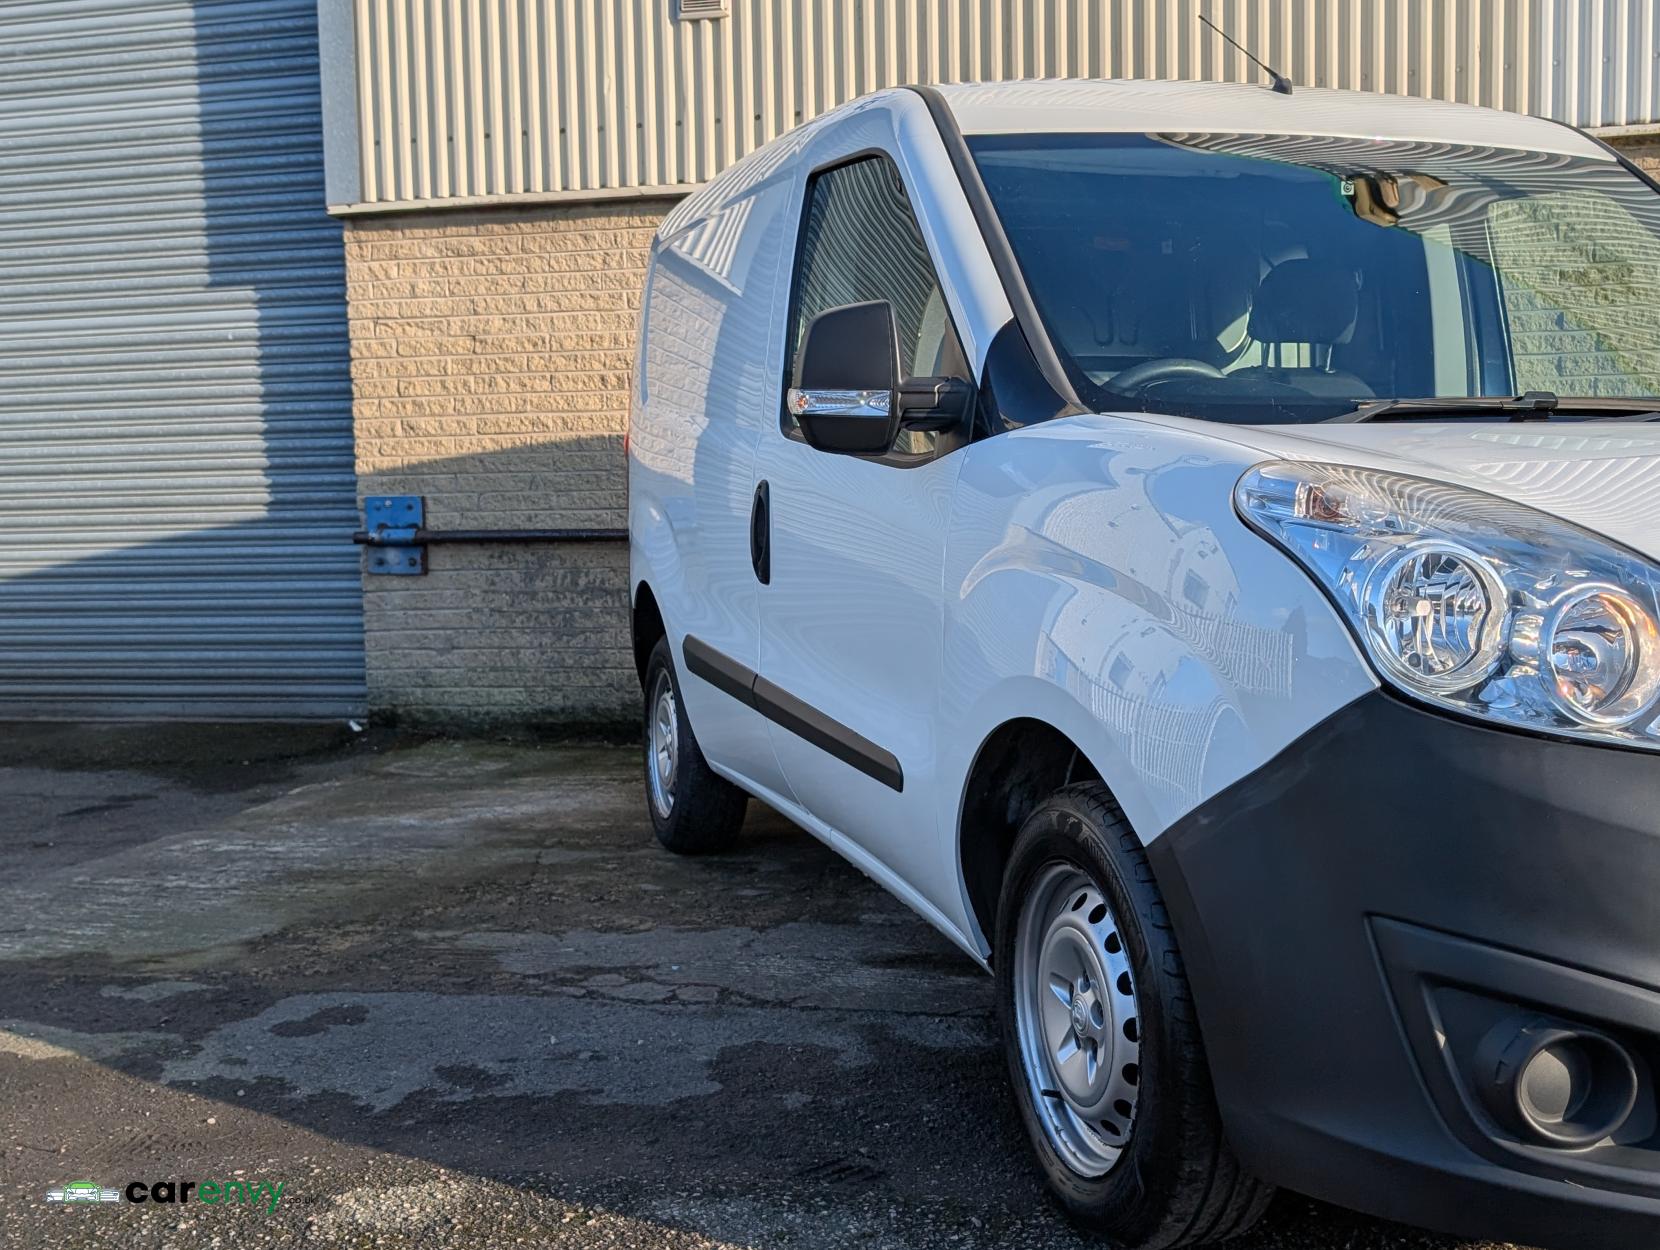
x: 1389, y: 871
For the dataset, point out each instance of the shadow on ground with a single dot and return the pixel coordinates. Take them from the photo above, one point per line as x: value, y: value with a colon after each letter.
x: 453, y: 994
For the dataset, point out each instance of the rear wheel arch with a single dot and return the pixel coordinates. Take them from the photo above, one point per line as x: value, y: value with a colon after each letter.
x: 1019, y: 765
x: 645, y: 628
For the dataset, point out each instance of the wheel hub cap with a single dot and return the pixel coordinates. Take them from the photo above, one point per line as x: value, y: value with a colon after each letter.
x: 662, y: 746
x: 1076, y: 1016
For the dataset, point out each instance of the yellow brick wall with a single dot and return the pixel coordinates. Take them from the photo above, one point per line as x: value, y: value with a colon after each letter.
x: 491, y: 362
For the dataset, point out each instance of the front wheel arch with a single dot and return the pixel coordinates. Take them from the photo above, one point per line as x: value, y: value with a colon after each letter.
x: 1175, y: 1181
x: 1020, y: 764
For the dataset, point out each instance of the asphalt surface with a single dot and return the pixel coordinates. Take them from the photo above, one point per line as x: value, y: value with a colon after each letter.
x: 453, y: 994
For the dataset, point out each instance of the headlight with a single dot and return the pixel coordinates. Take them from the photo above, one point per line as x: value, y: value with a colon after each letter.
x: 1474, y: 603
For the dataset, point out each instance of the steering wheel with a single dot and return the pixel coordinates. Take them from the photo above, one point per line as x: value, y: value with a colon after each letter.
x: 1163, y: 369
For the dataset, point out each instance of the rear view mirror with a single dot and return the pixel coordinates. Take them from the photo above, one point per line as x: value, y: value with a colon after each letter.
x: 845, y: 379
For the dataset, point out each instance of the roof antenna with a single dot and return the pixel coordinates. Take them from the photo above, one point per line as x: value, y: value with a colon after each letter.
x: 1281, y: 83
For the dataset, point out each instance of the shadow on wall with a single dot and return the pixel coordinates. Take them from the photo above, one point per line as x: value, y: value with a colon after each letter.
x: 524, y: 636
x: 176, y: 479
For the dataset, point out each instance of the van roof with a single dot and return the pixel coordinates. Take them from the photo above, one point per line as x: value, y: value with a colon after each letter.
x: 1163, y: 107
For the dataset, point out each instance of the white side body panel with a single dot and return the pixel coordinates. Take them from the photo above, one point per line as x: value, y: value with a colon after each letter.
x: 1089, y: 573
x: 1099, y: 580
x: 702, y: 389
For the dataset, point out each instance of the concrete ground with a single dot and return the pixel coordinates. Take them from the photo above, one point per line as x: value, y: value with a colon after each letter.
x: 454, y: 995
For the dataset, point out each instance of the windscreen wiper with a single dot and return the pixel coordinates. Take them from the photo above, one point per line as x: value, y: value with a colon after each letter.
x: 1533, y: 406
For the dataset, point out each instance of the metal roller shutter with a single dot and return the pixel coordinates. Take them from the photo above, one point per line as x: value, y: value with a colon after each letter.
x: 176, y: 473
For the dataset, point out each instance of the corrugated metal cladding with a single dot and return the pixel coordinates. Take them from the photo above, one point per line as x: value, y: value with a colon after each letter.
x: 176, y: 473
x: 465, y: 98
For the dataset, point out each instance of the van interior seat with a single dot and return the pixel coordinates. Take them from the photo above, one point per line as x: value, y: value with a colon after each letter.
x: 1132, y: 307
x: 1152, y: 309
x: 1313, y: 303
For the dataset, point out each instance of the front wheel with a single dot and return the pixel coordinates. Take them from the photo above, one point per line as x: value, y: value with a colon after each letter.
x: 1101, y: 1038
x: 693, y: 810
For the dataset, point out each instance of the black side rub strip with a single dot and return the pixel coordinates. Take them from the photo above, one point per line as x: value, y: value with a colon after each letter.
x: 722, y: 672
x: 807, y: 722
x: 783, y: 708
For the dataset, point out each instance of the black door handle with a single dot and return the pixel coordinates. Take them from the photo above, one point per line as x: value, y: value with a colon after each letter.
x: 760, y: 535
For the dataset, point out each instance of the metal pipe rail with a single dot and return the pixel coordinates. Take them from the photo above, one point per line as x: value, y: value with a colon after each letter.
x: 397, y: 538
x: 423, y: 537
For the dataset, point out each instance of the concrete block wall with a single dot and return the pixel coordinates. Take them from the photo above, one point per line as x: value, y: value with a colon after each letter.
x: 491, y: 363
x: 1579, y: 280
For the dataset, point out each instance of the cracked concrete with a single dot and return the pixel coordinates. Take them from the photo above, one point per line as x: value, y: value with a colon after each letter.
x: 453, y: 994
x: 614, y: 1052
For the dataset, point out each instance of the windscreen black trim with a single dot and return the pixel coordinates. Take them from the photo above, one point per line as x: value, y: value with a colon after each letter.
x: 1002, y: 255
x: 800, y: 718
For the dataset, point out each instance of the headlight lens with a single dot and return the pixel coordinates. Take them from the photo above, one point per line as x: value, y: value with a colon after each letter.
x: 1472, y: 602
x: 1433, y: 612
x: 1602, y: 649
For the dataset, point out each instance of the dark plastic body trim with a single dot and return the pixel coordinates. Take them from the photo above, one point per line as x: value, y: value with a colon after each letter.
x: 760, y: 533
x: 720, y: 671
x: 811, y: 725
x: 1013, y: 391
x: 1326, y: 902
x: 783, y: 708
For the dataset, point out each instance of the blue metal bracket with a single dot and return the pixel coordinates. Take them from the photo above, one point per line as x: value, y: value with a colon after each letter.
x: 392, y: 525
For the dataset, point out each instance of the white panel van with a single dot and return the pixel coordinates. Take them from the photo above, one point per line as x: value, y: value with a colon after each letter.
x: 1199, y: 546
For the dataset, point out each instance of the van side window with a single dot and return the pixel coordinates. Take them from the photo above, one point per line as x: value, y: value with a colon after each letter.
x: 860, y: 241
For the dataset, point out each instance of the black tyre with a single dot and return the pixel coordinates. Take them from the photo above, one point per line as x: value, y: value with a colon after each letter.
x: 693, y: 810
x: 1101, y: 1037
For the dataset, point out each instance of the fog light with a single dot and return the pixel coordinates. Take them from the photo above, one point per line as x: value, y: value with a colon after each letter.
x: 1556, y: 1084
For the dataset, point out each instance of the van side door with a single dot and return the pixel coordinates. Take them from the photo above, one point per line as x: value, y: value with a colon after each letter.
x: 851, y: 613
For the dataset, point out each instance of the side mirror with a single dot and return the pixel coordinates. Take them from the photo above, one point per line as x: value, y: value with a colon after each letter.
x: 848, y: 396
x: 845, y: 379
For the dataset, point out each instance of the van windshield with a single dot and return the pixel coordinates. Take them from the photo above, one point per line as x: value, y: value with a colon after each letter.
x: 1289, y: 278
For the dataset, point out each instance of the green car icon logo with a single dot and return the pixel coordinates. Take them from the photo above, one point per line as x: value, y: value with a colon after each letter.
x: 83, y: 1191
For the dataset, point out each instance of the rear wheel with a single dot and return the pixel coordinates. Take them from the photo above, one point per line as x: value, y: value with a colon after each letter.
x: 1101, y: 1038
x: 693, y: 810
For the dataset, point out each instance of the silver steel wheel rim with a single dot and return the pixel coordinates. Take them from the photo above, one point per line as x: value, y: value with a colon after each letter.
x: 663, y: 747
x: 1077, y: 1020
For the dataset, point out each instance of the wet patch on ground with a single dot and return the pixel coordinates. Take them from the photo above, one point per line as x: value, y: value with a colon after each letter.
x: 452, y: 994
